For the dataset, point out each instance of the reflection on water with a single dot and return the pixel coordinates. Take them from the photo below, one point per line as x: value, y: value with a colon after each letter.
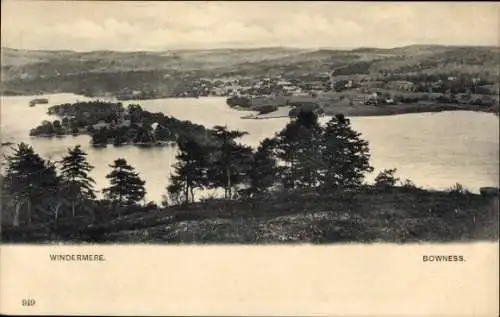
x: 433, y: 150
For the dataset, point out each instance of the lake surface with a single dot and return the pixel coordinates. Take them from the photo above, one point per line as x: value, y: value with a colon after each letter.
x: 434, y: 150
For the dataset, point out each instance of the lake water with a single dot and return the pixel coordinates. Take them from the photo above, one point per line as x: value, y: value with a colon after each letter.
x: 434, y: 150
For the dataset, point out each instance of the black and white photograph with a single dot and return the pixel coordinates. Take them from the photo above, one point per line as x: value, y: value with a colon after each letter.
x: 249, y: 123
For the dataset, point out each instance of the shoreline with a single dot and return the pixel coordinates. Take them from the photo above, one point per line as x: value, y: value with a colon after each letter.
x: 376, y: 112
x: 351, y: 111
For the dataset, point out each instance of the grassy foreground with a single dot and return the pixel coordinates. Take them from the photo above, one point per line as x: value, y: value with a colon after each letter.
x: 365, y: 215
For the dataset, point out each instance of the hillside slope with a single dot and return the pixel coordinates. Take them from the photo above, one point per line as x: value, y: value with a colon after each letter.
x: 27, y: 72
x: 398, y: 215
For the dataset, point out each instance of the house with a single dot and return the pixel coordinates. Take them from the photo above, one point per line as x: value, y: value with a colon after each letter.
x: 300, y: 93
x: 359, y: 99
x: 284, y: 83
x: 342, y: 84
x: 375, y: 84
x: 372, y: 99
x: 318, y: 87
x: 401, y: 85
x: 218, y: 91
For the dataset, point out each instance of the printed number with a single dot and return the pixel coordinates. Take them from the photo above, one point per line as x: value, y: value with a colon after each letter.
x: 28, y: 302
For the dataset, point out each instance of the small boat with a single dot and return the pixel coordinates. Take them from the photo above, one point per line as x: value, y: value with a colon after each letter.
x: 250, y: 116
x: 98, y: 145
x: 38, y: 101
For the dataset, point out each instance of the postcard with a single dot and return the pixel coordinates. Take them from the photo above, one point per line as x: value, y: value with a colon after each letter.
x: 259, y: 158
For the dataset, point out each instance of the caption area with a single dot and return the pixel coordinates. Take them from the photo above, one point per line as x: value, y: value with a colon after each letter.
x: 443, y: 258
x: 69, y: 257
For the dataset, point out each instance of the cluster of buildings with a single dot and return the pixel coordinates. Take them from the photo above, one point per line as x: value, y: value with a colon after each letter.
x: 263, y: 86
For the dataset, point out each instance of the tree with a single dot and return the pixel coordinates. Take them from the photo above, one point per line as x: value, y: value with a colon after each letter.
x: 8, y: 204
x: 162, y: 133
x: 408, y: 184
x: 126, y: 185
x: 345, y: 155
x: 298, y: 145
x: 119, y: 136
x: 386, y: 178
x: 74, y: 174
x: 144, y: 135
x: 263, y: 170
x: 100, y: 137
x: 177, y: 192
x: 135, y: 112
x: 309, y: 160
x: 30, y: 180
x: 231, y: 160
x: 190, y: 170
x: 241, y: 101
x: 287, y: 143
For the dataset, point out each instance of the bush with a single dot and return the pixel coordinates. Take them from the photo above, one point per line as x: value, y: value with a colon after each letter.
x: 240, y: 101
x: 266, y: 109
x: 386, y: 178
x: 408, y: 184
x: 458, y: 189
x: 164, y: 201
x: 151, y: 206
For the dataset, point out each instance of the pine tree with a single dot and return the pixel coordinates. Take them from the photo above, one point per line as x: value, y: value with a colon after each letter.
x: 287, y: 145
x: 263, y: 170
x: 345, y: 155
x: 54, y: 195
x: 190, y: 169
x: 232, y: 160
x: 8, y: 203
x: 309, y: 159
x: 30, y: 180
x: 74, y: 174
x: 386, y: 178
x: 126, y: 185
x: 298, y: 146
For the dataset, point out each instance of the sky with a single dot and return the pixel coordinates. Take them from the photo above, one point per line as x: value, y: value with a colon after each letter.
x: 158, y: 26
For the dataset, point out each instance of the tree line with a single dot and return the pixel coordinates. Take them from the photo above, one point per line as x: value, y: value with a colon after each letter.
x: 304, y: 154
x: 38, y: 190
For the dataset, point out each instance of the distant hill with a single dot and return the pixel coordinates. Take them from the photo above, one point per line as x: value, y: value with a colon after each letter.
x: 26, y: 71
x: 98, y: 61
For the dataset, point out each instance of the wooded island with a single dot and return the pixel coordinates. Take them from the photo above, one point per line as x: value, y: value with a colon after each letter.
x: 112, y: 123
